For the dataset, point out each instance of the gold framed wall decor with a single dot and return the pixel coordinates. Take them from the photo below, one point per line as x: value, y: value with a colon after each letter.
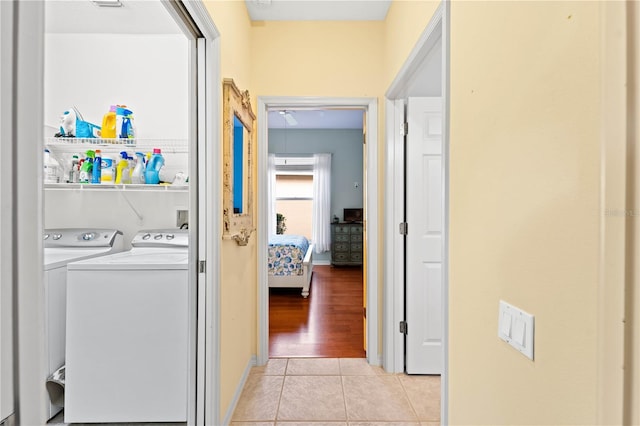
x: 238, y: 148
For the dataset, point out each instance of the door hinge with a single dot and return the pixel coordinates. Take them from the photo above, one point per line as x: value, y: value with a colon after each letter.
x: 404, y: 131
x: 364, y: 311
x: 404, y: 228
x: 202, y: 266
x: 403, y: 327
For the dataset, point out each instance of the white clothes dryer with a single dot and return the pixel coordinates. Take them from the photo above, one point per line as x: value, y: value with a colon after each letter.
x: 62, y: 246
x: 128, y: 333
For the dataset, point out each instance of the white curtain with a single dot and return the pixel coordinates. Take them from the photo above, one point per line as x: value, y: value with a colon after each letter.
x: 321, y: 234
x: 271, y: 195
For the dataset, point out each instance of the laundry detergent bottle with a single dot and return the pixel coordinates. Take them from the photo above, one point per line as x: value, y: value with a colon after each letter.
x: 107, y: 170
x: 137, y: 176
x: 51, y: 168
x: 152, y: 171
x: 109, y: 123
x: 96, y: 176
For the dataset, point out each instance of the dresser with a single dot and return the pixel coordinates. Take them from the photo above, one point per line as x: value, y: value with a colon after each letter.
x: 346, y: 243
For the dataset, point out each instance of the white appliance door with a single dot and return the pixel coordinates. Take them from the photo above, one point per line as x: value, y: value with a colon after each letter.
x: 424, y: 241
x: 127, y: 346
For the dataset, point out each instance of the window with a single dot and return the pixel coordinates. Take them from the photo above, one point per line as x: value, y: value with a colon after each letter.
x: 294, y: 200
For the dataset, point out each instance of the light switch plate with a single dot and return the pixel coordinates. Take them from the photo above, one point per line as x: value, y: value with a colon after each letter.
x: 516, y: 327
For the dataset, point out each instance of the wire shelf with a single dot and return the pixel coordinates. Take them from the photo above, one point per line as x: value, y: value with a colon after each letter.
x: 175, y: 146
x: 116, y: 187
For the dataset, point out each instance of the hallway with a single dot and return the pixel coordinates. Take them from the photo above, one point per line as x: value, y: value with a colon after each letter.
x: 335, y: 391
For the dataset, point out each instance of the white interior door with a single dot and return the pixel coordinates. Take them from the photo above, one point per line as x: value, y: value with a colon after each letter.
x: 424, y: 240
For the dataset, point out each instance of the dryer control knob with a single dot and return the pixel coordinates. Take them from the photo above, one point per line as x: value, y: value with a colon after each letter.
x: 157, y: 237
x: 170, y: 237
x: 57, y: 236
x: 146, y: 236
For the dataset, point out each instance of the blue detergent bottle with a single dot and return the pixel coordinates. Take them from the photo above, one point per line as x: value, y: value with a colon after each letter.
x: 152, y: 171
x: 96, y: 176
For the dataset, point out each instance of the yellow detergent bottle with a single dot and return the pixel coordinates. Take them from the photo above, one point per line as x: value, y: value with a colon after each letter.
x: 109, y: 123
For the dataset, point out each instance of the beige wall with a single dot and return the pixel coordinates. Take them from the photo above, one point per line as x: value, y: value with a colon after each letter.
x: 316, y: 58
x: 405, y: 23
x: 525, y: 186
x: 524, y: 198
x: 610, y: 389
x: 238, y: 309
x: 632, y: 364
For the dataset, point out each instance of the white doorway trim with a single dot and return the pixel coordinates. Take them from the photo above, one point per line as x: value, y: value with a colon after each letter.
x: 24, y: 39
x: 371, y: 211
x: 208, y: 205
x: 393, y: 304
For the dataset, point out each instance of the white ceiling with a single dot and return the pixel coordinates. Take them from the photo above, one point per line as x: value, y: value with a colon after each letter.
x: 151, y: 17
x: 84, y: 17
x: 318, y: 119
x: 317, y: 10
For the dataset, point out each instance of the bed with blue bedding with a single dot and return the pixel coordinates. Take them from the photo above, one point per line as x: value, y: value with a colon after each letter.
x: 290, y: 262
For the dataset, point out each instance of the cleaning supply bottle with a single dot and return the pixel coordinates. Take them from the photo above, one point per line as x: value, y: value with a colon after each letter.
x: 123, y: 172
x: 152, y: 171
x: 137, y: 176
x: 73, y: 170
x: 131, y: 159
x: 109, y: 123
x: 127, y: 130
x: 86, y: 169
x: 97, y: 167
x: 107, y: 170
x: 51, y: 168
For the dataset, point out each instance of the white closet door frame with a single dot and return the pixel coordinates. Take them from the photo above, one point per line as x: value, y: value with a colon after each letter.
x: 205, y: 403
x: 27, y: 30
x: 393, y: 304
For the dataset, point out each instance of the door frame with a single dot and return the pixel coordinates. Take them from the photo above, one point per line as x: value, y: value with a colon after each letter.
x: 204, y: 405
x: 394, y: 294
x: 370, y: 106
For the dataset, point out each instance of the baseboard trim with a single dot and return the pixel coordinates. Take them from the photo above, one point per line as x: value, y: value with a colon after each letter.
x: 322, y: 262
x: 236, y: 396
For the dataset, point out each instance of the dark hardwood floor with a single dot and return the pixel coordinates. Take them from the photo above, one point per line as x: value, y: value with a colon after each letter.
x: 329, y: 323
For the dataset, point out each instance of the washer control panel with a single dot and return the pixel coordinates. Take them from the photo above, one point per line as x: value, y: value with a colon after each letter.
x: 78, y: 237
x: 161, y: 238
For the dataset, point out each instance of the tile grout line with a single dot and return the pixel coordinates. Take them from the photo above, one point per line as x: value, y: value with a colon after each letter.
x: 406, y: 394
x: 284, y: 376
x: 344, y: 393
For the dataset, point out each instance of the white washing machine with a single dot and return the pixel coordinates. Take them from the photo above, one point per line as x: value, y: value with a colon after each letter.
x: 128, y: 333
x: 62, y: 246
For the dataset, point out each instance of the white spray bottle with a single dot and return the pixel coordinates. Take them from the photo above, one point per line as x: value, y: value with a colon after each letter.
x: 137, y: 176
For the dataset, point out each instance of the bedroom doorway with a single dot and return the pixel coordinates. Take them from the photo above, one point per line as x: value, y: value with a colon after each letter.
x: 316, y: 174
x: 331, y: 321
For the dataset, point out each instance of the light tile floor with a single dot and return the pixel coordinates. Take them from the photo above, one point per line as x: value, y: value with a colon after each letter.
x: 335, y: 392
